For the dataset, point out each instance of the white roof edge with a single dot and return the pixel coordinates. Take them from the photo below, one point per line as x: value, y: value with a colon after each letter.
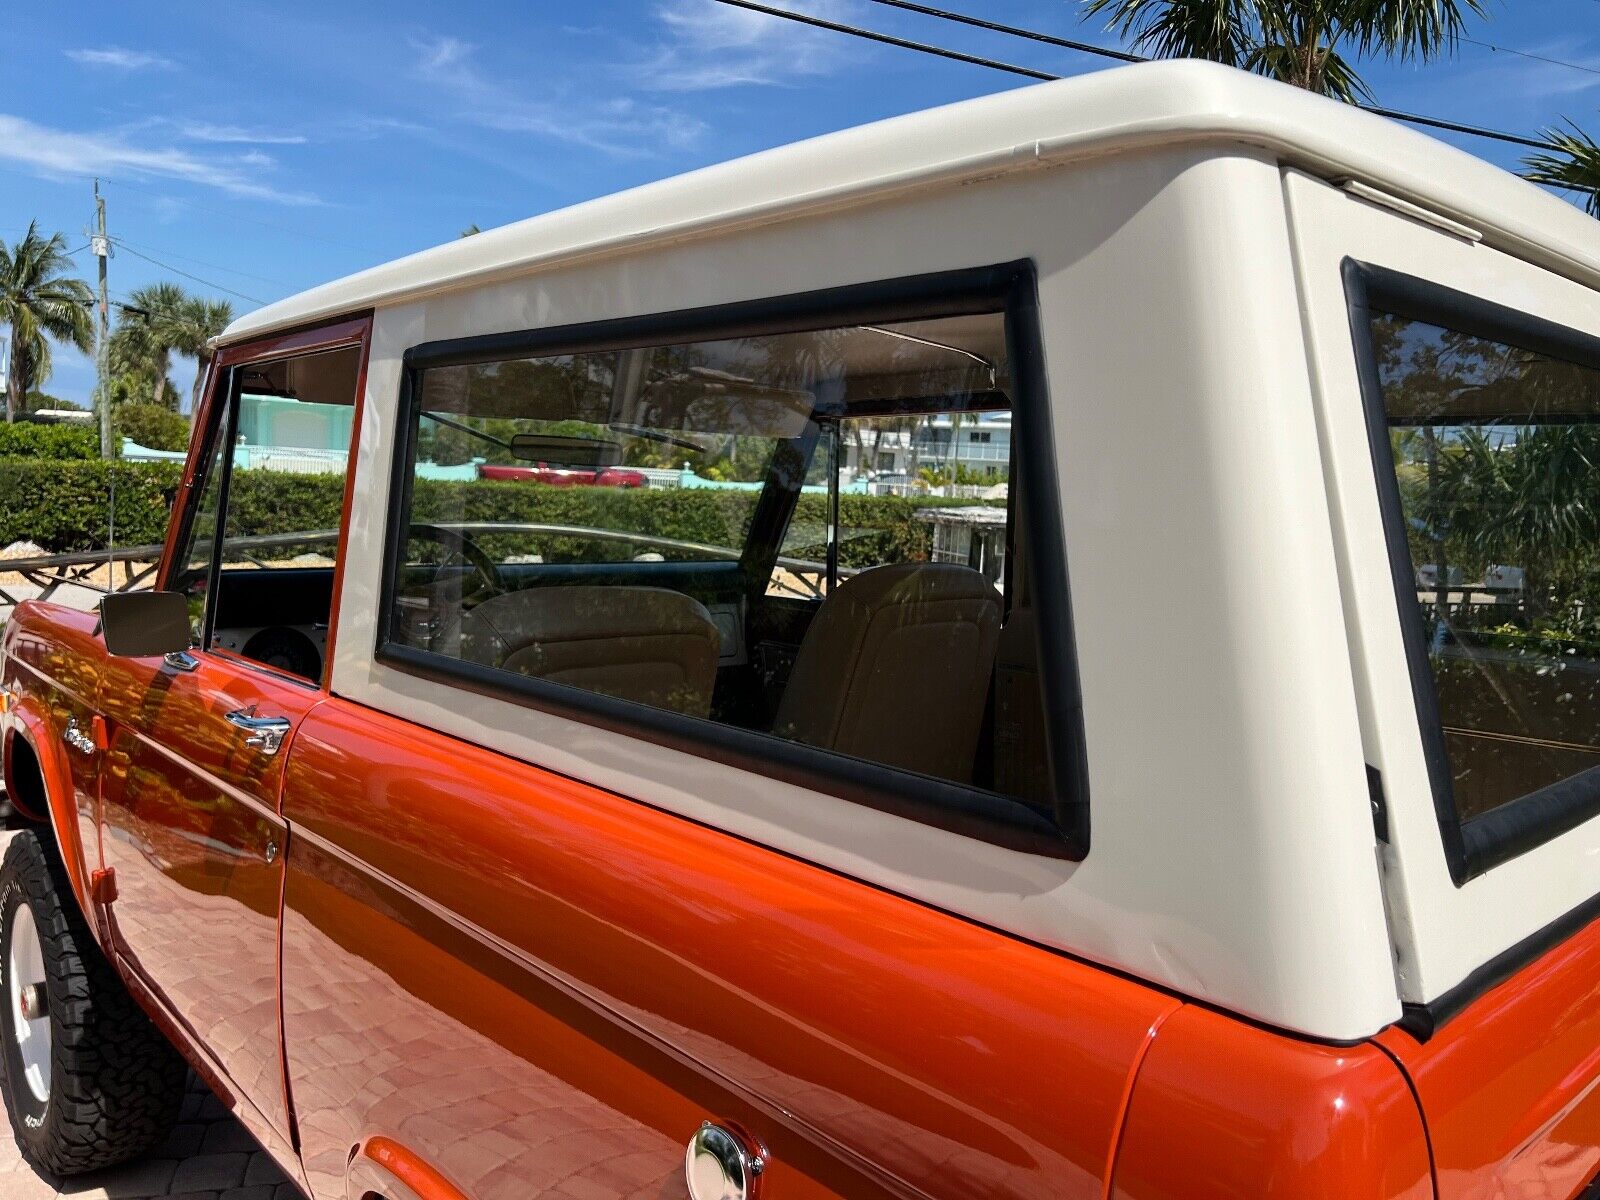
x: 1124, y: 109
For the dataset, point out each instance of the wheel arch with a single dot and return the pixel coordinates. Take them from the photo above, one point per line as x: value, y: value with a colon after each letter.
x: 383, y: 1169
x: 30, y: 748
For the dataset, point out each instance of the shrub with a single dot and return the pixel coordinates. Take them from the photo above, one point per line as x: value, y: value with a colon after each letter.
x: 26, y: 439
x: 62, y: 507
x: 151, y: 426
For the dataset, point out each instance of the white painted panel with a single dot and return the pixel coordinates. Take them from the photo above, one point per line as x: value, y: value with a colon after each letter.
x: 1233, y: 856
x: 1442, y: 933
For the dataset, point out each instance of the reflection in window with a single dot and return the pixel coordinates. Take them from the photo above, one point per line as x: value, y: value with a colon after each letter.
x: 1496, y: 452
x: 777, y: 533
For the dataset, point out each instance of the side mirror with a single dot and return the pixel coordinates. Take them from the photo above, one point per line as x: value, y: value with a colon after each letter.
x: 145, y: 624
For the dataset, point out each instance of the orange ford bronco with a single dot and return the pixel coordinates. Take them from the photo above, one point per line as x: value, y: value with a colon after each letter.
x: 1092, y: 691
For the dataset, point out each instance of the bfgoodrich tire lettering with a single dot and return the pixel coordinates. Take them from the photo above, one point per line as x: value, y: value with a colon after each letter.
x: 115, y: 1085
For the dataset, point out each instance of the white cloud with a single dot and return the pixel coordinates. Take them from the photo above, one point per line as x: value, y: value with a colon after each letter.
x: 121, y: 59
x: 710, y: 45
x: 66, y: 152
x: 619, y: 126
x: 199, y: 131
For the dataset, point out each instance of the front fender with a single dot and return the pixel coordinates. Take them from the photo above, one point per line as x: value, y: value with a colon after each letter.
x: 30, y: 721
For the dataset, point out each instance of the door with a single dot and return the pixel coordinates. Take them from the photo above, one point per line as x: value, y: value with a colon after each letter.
x: 509, y: 973
x: 191, y: 825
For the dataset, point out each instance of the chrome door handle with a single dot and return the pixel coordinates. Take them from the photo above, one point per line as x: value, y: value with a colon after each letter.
x: 266, y: 733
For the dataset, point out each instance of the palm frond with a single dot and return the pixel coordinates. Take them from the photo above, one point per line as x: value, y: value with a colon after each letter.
x: 1332, y: 74
x: 1220, y: 30
x: 1409, y: 29
x: 40, y: 300
x: 1573, y: 165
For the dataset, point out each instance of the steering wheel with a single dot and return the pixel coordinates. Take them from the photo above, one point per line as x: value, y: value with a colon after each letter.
x: 460, y: 550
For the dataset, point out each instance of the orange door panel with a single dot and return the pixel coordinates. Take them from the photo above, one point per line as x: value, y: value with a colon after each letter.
x: 192, y: 831
x: 541, y: 989
x: 1510, y: 1086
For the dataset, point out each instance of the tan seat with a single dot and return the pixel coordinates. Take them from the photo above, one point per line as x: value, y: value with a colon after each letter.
x: 649, y: 645
x: 895, y: 669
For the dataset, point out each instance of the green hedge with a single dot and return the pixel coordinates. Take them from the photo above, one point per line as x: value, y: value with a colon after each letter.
x: 62, y: 507
x: 58, y: 442
x: 151, y: 425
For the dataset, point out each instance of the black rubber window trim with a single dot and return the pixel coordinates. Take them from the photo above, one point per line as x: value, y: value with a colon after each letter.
x: 1010, y: 288
x: 1484, y: 842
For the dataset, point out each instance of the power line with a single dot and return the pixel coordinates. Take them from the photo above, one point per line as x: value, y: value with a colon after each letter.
x: 1544, y: 58
x: 200, y: 262
x: 890, y: 40
x: 169, y: 267
x: 1032, y: 35
x: 1498, y: 135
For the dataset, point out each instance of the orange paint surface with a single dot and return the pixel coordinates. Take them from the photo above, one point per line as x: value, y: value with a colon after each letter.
x: 1511, y: 1085
x: 526, y: 945
x: 1224, y: 1109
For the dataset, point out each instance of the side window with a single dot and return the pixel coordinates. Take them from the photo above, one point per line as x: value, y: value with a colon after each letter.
x: 798, y: 539
x: 1495, y: 454
x: 193, y: 574
x: 275, y: 485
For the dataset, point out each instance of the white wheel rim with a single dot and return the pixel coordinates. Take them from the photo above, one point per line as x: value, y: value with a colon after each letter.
x: 25, y: 969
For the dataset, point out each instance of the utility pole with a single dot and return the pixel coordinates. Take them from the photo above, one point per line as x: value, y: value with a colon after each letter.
x: 101, y: 244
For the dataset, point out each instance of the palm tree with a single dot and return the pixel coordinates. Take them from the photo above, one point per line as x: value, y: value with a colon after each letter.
x: 1295, y: 41
x: 39, y: 300
x: 203, y: 321
x: 158, y: 319
x: 1572, y: 164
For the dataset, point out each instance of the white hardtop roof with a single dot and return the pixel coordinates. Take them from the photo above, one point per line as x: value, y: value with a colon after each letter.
x: 1120, y: 110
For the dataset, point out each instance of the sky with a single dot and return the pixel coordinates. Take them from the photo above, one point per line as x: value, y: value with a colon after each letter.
x: 265, y: 147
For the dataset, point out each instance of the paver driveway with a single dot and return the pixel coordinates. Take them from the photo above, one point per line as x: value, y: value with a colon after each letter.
x: 208, y: 1157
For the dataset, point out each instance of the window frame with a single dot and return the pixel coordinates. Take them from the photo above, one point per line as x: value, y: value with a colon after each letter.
x: 1009, y: 289
x: 192, y: 492
x: 1481, y: 843
x: 217, y: 418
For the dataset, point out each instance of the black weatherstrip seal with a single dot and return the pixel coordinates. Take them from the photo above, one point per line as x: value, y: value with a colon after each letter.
x: 1484, y: 842
x: 1010, y: 288
x: 1422, y: 1021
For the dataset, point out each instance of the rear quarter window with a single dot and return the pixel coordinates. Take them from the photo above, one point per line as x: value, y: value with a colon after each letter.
x: 1486, y: 436
x: 789, y: 540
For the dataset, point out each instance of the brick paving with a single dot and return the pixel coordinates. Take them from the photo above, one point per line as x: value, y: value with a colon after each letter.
x: 208, y: 1157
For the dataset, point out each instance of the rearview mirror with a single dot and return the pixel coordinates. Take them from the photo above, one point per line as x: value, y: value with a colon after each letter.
x: 592, y: 454
x: 145, y: 624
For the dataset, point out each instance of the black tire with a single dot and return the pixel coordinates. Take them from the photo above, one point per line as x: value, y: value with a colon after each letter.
x: 116, y: 1085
